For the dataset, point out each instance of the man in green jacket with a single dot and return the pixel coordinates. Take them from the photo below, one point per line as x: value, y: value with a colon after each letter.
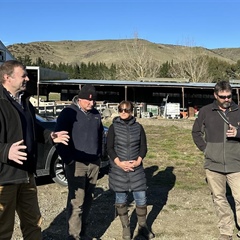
x: 216, y: 132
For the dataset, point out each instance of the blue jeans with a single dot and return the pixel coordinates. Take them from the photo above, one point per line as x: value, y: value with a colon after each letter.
x: 139, y: 197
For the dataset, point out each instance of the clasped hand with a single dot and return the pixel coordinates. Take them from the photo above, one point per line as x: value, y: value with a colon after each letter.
x: 128, y: 166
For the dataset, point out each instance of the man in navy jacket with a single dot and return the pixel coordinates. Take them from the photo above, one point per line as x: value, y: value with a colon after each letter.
x: 81, y: 157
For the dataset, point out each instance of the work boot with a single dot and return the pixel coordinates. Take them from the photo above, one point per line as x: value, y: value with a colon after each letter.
x: 123, y: 215
x: 143, y: 230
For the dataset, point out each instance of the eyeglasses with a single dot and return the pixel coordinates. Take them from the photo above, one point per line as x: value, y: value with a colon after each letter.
x: 224, y: 97
x: 124, y: 109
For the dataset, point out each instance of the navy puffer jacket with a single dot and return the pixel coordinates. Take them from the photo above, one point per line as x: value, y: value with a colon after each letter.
x: 127, y: 147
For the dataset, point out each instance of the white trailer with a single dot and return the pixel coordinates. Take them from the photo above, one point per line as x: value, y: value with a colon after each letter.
x: 38, y: 75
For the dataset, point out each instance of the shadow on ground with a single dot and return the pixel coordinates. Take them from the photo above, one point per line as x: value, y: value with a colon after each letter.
x: 103, y: 212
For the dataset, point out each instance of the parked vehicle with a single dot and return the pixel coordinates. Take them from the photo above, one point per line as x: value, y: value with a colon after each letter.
x: 50, y: 163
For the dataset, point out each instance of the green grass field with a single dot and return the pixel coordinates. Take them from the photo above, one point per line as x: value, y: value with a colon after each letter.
x: 171, y: 149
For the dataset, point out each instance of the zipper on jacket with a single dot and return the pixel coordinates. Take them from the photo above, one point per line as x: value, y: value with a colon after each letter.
x: 225, y: 128
x: 128, y: 142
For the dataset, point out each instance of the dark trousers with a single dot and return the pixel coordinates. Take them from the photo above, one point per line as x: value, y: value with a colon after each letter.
x: 21, y: 198
x: 82, y: 179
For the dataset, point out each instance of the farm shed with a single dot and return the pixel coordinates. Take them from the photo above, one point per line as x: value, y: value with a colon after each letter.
x: 150, y: 92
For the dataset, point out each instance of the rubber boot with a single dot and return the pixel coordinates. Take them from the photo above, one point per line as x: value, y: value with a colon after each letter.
x: 143, y: 230
x: 123, y: 215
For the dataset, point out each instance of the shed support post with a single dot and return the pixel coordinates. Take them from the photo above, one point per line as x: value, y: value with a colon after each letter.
x: 125, y: 93
x: 183, y: 99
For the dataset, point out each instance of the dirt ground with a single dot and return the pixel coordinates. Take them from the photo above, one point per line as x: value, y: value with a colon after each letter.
x: 173, y: 213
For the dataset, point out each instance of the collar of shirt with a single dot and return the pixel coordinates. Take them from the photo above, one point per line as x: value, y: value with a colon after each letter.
x: 85, y: 112
x: 17, y: 98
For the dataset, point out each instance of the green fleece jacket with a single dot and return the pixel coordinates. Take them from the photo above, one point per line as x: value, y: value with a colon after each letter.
x: 222, y: 154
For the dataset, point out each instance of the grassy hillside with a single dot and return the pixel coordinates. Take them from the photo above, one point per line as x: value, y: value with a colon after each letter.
x: 109, y: 51
x: 230, y: 53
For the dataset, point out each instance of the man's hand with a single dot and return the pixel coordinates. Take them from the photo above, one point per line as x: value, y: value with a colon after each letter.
x: 60, y: 137
x: 232, y: 131
x: 16, y: 154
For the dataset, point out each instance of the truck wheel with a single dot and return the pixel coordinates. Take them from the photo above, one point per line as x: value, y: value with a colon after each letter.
x: 58, y: 174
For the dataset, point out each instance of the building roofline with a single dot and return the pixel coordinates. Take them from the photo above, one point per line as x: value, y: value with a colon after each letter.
x: 131, y: 83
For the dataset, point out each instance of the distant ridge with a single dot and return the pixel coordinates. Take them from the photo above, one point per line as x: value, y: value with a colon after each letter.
x: 107, y: 51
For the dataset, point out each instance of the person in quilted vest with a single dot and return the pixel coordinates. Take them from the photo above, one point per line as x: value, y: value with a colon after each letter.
x: 127, y: 147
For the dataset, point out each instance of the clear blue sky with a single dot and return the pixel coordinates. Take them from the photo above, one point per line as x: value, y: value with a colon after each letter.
x: 207, y: 23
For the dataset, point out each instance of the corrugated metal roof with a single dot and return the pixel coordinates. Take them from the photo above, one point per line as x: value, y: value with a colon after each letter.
x: 130, y: 83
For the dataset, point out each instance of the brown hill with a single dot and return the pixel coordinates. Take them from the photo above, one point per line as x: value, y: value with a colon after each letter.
x: 230, y: 53
x: 109, y: 51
